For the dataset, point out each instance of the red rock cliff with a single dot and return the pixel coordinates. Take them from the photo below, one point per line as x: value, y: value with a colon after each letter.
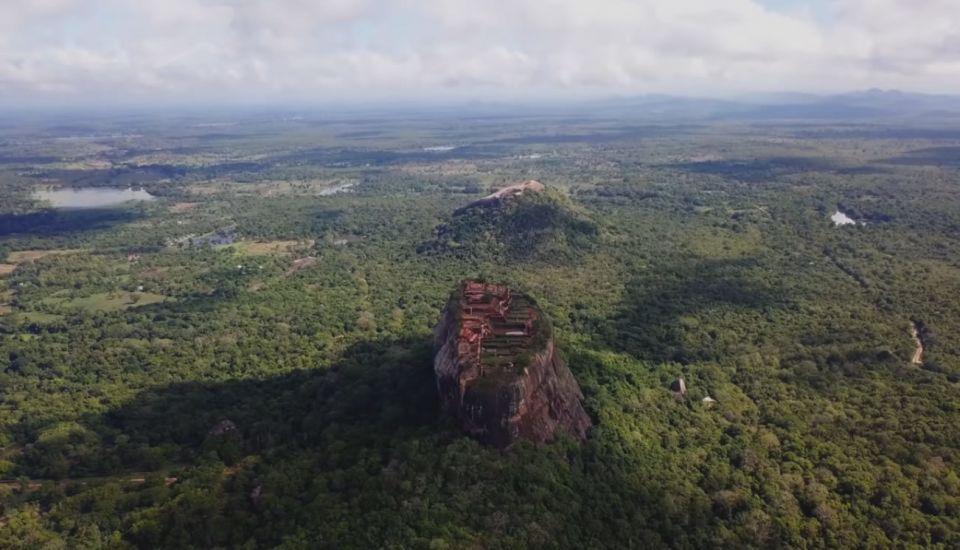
x: 498, y: 371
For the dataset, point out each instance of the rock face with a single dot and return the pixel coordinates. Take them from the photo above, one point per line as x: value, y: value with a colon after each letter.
x: 498, y: 371
x: 679, y: 387
x: 511, y: 192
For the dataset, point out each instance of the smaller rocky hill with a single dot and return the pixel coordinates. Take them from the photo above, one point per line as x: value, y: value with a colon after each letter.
x: 522, y: 222
x: 498, y: 371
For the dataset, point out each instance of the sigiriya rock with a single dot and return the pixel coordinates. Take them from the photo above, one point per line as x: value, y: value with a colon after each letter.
x: 498, y: 371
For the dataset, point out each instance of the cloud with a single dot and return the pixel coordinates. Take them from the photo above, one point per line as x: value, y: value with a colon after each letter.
x: 187, y: 50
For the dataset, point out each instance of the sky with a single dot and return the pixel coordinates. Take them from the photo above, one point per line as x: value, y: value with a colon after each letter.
x: 181, y: 51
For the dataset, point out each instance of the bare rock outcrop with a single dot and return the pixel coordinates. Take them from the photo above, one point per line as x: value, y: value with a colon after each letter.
x: 498, y: 371
x: 507, y: 193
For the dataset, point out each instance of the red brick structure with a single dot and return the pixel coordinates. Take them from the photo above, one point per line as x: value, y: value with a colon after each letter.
x: 493, y: 326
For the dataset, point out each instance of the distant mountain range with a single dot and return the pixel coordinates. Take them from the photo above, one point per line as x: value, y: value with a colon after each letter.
x: 868, y: 104
x: 873, y: 106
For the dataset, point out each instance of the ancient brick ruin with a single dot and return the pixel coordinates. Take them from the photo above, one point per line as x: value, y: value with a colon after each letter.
x: 495, y: 326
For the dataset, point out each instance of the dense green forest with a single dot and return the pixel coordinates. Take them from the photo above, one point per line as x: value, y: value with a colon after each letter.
x: 245, y: 361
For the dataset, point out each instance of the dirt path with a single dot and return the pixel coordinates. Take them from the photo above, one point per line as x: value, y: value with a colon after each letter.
x: 918, y: 354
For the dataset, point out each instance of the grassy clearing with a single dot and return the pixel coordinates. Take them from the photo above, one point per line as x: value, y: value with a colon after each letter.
x: 301, y: 263
x: 6, y: 269
x: 37, y: 317
x: 106, y: 302
x: 23, y: 256
x: 6, y: 302
x: 268, y: 248
x: 155, y: 273
x: 183, y: 206
x: 719, y: 245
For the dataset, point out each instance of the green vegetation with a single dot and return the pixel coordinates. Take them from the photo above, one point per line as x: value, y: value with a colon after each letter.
x: 106, y: 301
x: 277, y: 390
x: 535, y: 226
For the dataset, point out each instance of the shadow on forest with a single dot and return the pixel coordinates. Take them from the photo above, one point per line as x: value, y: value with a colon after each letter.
x: 757, y: 170
x: 931, y: 156
x: 135, y: 176
x: 602, y: 135
x: 328, y: 156
x: 64, y: 222
x: 651, y: 322
x: 358, y: 456
x: 376, y: 393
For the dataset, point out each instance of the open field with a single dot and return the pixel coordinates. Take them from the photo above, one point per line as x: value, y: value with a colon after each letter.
x: 267, y: 248
x: 6, y: 301
x: 37, y: 317
x: 106, y: 302
x: 23, y: 256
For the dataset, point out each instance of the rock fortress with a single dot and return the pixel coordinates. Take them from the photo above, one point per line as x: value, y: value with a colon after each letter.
x: 498, y: 371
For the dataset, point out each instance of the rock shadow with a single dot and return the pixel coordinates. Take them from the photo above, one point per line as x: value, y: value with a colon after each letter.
x: 375, y: 392
x: 49, y: 223
x: 757, y: 170
x: 657, y: 319
x: 353, y: 456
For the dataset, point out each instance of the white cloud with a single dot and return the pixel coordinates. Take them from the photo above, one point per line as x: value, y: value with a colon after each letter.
x: 379, y: 49
x: 19, y: 13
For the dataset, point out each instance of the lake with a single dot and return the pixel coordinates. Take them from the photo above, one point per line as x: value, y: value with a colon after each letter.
x: 90, y: 197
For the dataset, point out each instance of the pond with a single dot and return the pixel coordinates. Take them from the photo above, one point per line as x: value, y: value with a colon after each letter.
x: 90, y: 197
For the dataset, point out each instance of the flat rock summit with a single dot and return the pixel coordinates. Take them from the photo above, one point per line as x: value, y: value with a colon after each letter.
x: 504, y: 194
x: 498, y: 372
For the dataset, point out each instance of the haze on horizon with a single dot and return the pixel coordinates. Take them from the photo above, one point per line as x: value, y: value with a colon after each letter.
x: 104, y: 52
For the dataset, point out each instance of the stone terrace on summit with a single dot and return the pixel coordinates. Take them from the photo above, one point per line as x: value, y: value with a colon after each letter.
x: 497, y: 326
